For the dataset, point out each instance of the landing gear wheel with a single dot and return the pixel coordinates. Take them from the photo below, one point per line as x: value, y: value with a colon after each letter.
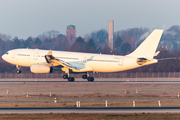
x: 84, y: 76
x: 18, y: 71
x: 90, y: 79
x: 71, y: 79
x: 65, y: 76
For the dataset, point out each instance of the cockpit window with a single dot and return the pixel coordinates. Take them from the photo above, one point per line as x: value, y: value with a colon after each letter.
x: 7, y: 53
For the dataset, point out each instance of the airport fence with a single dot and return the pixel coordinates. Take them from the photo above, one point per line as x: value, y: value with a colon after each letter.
x: 96, y: 75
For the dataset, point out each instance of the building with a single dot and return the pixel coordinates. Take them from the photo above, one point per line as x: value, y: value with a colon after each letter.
x: 111, y: 32
x: 71, y: 33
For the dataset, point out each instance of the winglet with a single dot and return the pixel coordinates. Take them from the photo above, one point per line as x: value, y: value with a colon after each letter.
x: 49, y: 53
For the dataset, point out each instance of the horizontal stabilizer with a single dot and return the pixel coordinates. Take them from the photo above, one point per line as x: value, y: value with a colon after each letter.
x: 157, y: 53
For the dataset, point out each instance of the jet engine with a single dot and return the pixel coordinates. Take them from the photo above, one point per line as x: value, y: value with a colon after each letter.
x: 40, y: 68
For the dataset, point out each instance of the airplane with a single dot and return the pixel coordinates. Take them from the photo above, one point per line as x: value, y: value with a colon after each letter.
x: 45, y: 61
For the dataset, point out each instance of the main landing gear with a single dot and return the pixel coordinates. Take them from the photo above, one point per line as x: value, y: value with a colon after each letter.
x: 70, y: 79
x: 90, y: 79
x: 18, y: 71
x: 66, y: 75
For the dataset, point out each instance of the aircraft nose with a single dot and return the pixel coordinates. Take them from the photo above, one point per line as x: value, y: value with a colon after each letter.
x: 4, y: 57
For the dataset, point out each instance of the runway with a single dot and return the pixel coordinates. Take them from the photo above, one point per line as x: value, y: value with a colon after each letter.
x: 119, y: 92
x: 139, y: 82
x: 98, y: 80
x: 90, y: 110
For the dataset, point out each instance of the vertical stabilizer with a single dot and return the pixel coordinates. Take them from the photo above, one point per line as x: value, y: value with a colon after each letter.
x: 148, y: 47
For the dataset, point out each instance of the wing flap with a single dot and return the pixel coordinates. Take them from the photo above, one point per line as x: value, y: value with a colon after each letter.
x: 53, y: 61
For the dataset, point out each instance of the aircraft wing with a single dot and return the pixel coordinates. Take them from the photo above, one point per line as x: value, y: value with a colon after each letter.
x: 75, y: 66
x: 52, y: 61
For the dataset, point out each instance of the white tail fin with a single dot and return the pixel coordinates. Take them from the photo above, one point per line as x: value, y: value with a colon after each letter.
x: 148, y: 47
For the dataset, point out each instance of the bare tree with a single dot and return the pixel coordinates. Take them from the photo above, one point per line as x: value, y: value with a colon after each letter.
x: 49, y: 34
x: 5, y: 37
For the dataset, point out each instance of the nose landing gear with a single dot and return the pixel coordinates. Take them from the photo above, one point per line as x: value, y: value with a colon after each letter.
x: 18, y: 71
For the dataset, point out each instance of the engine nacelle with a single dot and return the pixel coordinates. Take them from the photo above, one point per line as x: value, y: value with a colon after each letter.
x: 40, y: 68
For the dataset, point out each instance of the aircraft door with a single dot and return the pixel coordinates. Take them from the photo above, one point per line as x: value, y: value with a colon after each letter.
x: 85, y: 60
x: 13, y: 54
x: 36, y: 54
x: 121, y: 61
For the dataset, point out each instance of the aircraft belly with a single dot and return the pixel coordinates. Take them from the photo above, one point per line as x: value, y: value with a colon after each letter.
x: 112, y: 67
x: 104, y: 67
x: 25, y: 62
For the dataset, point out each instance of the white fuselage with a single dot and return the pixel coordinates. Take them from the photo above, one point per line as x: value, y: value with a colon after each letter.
x: 93, y: 62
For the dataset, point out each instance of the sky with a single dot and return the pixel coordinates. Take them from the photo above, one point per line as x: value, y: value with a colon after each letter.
x: 25, y: 18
